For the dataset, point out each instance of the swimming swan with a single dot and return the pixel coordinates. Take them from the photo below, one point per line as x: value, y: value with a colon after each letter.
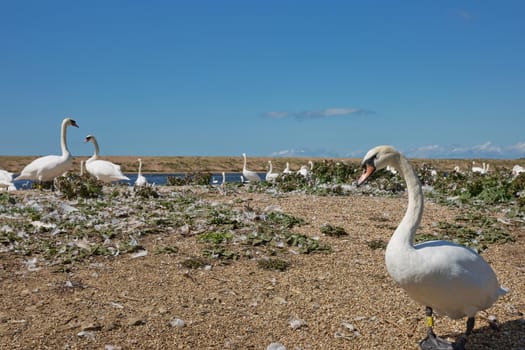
x: 47, y: 168
x: 103, y: 170
x: 141, y: 180
x: 443, y: 276
x: 248, y: 174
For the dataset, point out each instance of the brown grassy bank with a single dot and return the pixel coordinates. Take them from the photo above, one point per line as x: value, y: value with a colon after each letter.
x: 181, y: 164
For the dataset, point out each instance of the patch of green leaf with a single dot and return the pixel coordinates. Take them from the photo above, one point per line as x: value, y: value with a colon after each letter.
x: 215, y: 237
x: 334, y: 231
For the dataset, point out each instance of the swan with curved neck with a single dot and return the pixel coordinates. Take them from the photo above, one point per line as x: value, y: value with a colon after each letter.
x: 103, y: 170
x: 304, y: 170
x: 248, y: 174
x: 141, y: 180
x: 47, y: 168
x: 443, y: 276
x: 270, y: 176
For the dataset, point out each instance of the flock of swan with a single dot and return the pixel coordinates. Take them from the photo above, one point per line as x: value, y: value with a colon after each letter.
x: 443, y: 276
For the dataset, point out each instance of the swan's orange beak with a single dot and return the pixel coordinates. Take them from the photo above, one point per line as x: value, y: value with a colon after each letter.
x: 368, y: 170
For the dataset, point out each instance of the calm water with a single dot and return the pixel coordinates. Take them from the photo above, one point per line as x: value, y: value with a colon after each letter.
x: 158, y: 179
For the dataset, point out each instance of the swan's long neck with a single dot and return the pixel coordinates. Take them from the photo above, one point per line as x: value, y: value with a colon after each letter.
x: 97, y: 150
x: 244, y: 164
x: 270, y: 171
x: 63, y: 139
x: 140, y: 167
x: 403, y: 236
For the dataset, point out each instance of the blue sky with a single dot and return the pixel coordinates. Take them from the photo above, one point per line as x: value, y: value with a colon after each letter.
x: 439, y: 79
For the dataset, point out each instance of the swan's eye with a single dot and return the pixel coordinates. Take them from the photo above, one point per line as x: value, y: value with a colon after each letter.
x: 369, y: 162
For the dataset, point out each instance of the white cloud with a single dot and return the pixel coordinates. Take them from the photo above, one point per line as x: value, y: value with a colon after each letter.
x: 324, y: 113
x: 484, y: 150
x: 305, y: 152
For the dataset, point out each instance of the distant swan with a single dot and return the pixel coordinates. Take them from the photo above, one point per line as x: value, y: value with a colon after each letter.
x: 482, y: 170
x: 269, y: 175
x: 103, y: 170
x: 305, y: 171
x: 447, y: 277
x: 141, y: 180
x: 248, y: 174
x: 6, y: 180
x: 47, y: 168
x: 287, y: 169
x: 516, y: 170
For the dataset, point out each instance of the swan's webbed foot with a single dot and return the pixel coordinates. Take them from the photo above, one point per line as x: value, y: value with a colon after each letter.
x: 433, y: 342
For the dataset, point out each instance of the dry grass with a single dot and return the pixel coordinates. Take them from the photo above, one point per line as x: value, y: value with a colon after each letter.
x: 180, y: 164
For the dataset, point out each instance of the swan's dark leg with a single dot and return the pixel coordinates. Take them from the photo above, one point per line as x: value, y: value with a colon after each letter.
x: 460, y: 343
x: 433, y: 342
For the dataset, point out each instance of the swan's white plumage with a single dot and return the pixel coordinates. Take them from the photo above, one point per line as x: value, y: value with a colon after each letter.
x: 6, y: 180
x: 103, y: 170
x: 481, y: 170
x: 516, y: 170
x: 271, y: 176
x: 287, y: 169
x: 305, y: 170
x: 47, y: 168
x: 450, y: 278
x: 141, y: 180
x: 248, y: 174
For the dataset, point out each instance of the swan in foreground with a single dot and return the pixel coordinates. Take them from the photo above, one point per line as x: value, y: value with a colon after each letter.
x: 6, y: 180
x: 141, y: 180
x: 269, y: 175
x: 248, y: 174
x: 47, y: 168
x: 103, y: 170
x: 443, y: 276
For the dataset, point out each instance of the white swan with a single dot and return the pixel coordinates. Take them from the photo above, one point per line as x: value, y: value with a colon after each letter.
x: 304, y: 170
x: 516, y: 170
x: 447, y: 277
x: 287, y: 170
x: 6, y: 180
x: 248, y: 174
x: 47, y: 168
x: 141, y: 180
x: 482, y: 170
x: 269, y: 175
x: 103, y: 170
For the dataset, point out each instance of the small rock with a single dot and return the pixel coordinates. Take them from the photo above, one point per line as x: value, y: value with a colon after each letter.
x: 276, y: 346
x: 177, y: 322
x: 296, y: 323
